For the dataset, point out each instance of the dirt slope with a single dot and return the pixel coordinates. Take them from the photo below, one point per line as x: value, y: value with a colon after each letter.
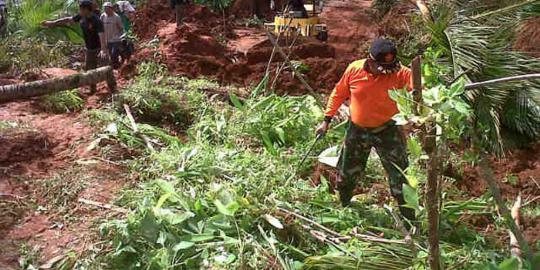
x: 234, y: 53
x: 35, y: 151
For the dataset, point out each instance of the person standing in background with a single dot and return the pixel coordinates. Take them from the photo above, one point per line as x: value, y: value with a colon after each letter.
x: 113, y: 28
x: 92, y: 28
x: 124, y: 9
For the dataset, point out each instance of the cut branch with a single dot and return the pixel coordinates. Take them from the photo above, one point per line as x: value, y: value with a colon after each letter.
x: 136, y: 130
x: 297, y: 74
x: 487, y: 174
x: 514, y: 244
x: 44, y: 87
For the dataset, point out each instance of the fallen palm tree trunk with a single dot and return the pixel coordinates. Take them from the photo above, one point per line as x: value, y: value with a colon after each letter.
x: 43, y: 87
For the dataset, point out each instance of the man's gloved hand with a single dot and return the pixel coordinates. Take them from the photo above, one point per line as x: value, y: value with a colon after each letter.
x: 103, y: 54
x: 48, y: 24
x: 323, y: 128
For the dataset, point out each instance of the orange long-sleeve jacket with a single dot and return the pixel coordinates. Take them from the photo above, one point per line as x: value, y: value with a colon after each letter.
x: 370, y: 104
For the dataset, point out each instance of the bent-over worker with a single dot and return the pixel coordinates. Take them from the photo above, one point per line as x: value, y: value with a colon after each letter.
x: 92, y: 28
x: 366, y: 83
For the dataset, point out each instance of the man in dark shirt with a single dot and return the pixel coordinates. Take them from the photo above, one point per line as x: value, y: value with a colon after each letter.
x: 92, y: 28
x: 297, y: 6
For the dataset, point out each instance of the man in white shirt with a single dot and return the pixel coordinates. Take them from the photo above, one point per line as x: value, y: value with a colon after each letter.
x: 112, y: 24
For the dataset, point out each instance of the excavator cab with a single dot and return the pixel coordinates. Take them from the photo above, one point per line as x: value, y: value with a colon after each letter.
x: 306, y: 22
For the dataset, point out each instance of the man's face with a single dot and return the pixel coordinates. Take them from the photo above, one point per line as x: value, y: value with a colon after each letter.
x: 84, y: 11
x: 109, y: 10
x: 389, y: 58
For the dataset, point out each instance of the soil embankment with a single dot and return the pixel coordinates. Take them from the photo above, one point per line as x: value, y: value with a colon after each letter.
x: 224, y: 49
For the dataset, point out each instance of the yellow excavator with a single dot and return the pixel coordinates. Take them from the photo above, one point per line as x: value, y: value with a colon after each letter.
x: 298, y: 17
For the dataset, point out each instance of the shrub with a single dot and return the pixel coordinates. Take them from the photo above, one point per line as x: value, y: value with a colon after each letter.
x: 62, y: 102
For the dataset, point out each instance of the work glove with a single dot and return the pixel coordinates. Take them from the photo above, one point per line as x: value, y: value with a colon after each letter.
x: 48, y: 24
x: 104, y: 54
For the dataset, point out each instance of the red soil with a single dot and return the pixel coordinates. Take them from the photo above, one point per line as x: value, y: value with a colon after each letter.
x: 524, y: 165
x: 239, y: 55
x: 529, y: 37
x: 44, y: 146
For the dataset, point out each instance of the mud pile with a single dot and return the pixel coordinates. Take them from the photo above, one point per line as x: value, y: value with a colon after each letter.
x: 529, y: 37
x: 231, y: 54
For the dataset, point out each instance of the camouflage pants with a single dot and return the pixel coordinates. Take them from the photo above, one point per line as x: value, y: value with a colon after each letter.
x: 392, y: 150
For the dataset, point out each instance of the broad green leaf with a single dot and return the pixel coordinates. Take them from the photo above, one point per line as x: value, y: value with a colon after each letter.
x: 273, y: 221
x: 236, y: 101
x: 165, y: 186
x: 509, y: 264
x: 172, y: 217
x: 149, y: 227
x: 229, y: 209
x: 197, y: 238
x: 183, y: 245
x: 457, y: 89
x: 163, y: 199
x: 280, y: 133
x: 462, y: 108
x: 411, y: 197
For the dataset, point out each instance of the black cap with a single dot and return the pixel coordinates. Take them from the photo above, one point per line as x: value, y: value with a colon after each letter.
x: 86, y: 3
x: 380, y: 48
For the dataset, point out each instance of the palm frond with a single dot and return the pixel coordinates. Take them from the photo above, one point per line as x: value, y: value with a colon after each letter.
x: 481, y: 47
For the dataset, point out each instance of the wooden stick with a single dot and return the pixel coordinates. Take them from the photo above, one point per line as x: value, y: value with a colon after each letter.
x: 336, y: 234
x: 103, y: 205
x: 487, y: 173
x: 136, y: 130
x: 514, y: 244
x: 282, y: 66
x: 502, y: 80
x: 416, y: 69
x: 298, y: 74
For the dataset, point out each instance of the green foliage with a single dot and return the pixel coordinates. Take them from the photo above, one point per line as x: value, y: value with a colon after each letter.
x: 27, y: 18
x: 158, y: 102
x: 210, y: 202
x: 19, y: 54
x: 216, y: 5
x: 62, y: 102
x: 481, y: 49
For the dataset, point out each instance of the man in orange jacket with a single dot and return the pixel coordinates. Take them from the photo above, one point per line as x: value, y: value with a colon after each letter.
x: 366, y: 83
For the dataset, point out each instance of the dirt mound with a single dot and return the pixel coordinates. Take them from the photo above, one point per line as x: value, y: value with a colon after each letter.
x: 529, y: 37
x: 259, y: 8
x: 232, y: 54
x: 22, y: 145
x: 519, y: 171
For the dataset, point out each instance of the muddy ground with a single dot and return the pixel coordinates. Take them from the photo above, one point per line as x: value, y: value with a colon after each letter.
x: 233, y: 53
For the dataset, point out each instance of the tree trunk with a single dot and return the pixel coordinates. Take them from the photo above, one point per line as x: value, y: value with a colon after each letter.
x: 43, y: 87
x: 428, y: 137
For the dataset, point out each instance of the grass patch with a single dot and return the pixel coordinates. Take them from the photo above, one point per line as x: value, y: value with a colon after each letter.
x: 161, y: 103
x: 62, y: 102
